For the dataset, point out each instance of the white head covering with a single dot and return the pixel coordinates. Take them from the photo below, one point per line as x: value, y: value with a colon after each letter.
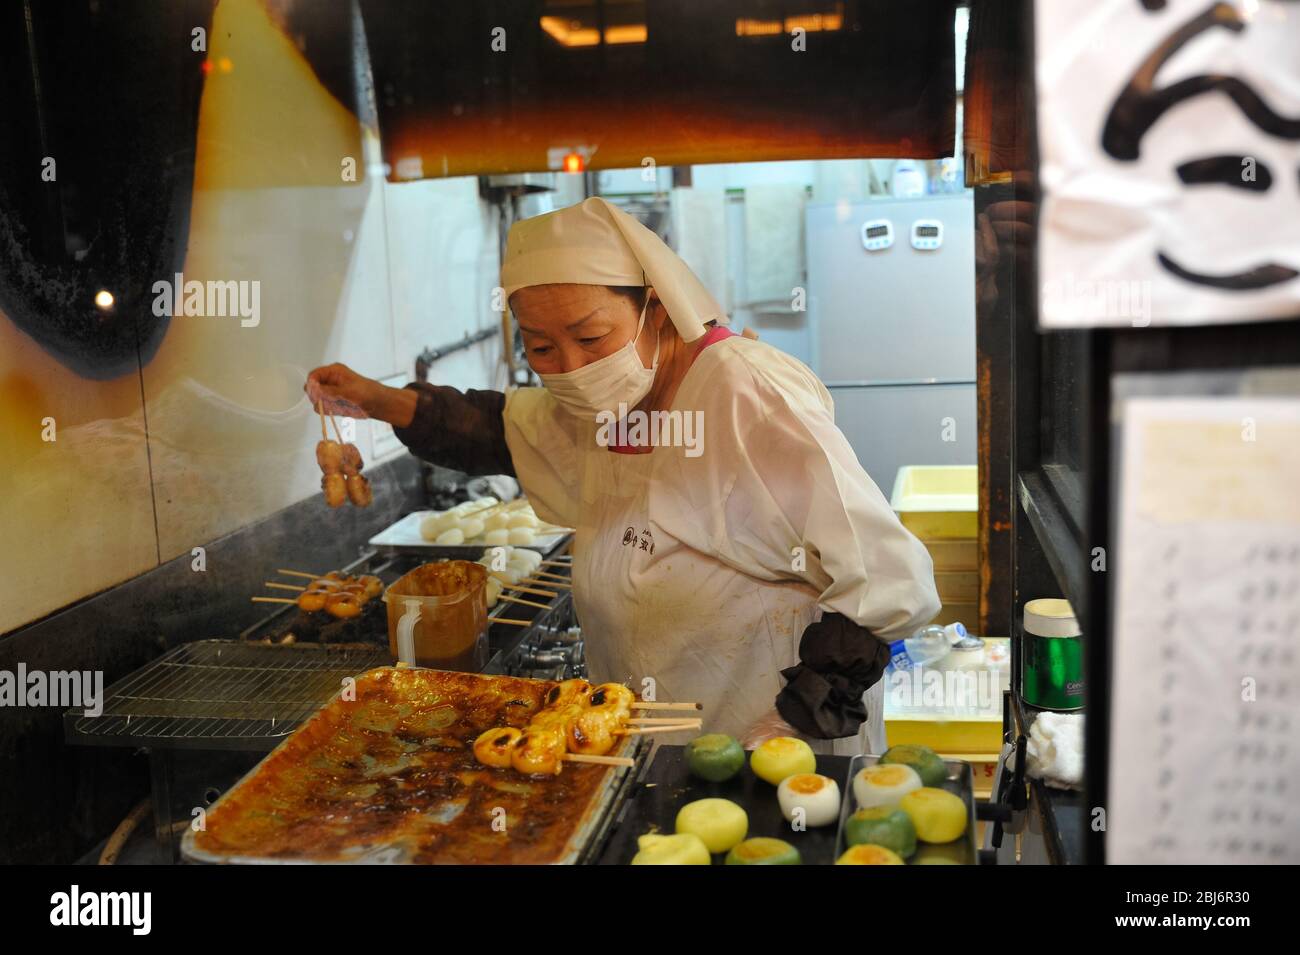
x: 595, y: 243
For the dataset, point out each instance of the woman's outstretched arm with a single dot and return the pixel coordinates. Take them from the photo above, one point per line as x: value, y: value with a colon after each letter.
x: 451, y: 428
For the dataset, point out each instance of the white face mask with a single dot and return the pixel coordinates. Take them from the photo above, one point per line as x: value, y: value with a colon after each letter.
x: 603, y: 385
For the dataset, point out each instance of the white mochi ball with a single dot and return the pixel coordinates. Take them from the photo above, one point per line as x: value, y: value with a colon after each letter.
x: 522, y: 536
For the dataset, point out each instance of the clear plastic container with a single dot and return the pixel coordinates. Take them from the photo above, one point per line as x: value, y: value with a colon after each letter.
x: 926, y: 647
x: 437, y: 616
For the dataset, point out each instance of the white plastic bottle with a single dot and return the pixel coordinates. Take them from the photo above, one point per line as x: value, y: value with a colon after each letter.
x: 925, y: 647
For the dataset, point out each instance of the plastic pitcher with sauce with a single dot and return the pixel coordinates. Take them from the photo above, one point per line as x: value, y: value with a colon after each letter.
x: 438, y: 612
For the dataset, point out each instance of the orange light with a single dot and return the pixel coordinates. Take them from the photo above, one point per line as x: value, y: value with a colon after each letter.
x: 749, y: 27
x: 569, y: 32
x: 206, y: 66
x: 809, y: 23
x: 573, y: 162
x: 815, y: 22
x: 104, y: 299
x: 629, y: 33
x: 573, y: 33
x: 225, y: 64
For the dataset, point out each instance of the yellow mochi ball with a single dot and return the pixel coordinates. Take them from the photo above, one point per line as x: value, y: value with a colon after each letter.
x: 938, y: 815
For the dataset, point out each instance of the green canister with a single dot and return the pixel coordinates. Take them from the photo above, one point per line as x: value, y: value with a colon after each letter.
x: 1052, y: 656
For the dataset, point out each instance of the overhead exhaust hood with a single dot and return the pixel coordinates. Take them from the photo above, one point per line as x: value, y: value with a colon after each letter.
x: 517, y: 86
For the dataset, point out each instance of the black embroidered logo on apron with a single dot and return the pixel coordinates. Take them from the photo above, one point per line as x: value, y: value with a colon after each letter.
x: 643, y: 541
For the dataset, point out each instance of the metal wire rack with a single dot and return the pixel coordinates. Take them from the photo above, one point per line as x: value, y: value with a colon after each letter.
x: 220, y: 694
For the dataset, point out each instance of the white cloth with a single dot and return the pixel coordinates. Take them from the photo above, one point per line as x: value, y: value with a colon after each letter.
x: 774, y: 247
x: 1054, y: 750
x: 699, y: 234
x: 686, y: 569
x: 596, y: 243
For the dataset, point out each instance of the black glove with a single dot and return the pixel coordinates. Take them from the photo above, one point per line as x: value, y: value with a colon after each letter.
x: 839, y: 660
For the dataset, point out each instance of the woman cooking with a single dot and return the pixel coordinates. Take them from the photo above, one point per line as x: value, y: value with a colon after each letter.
x: 756, y: 568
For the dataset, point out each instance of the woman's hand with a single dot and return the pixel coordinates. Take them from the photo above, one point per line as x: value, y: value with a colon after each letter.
x: 769, y: 726
x: 337, y: 389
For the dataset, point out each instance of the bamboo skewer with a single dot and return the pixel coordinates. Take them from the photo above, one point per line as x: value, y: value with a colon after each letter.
x: 508, y: 505
x: 556, y: 563
x: 545, y: 573
x: 298, y: 573
x: 598, y: 760
x: 320, y: 410
x: 272, y: 583
x: 647, y: 730
x: 667, y: 706
x: 273, y: 600
x: 484, y: 511
x: 662, y: 721
x: 511, y: 505
x: 530, y: 590
x: 526, y: 603
x: 546, y: 583
x: 517, y: 623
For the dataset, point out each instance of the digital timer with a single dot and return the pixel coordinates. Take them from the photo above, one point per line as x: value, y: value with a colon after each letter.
x: 877, y: 234
x: 927, y: 234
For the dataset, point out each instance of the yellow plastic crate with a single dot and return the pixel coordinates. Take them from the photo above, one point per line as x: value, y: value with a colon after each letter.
x: 958, y: 612
x: 957, y: 586
x: 956, y: 554
x: 953, y: 736
x: 938, y: 500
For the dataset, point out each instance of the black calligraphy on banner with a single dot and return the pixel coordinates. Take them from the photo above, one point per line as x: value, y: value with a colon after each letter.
x: 1143, y: 101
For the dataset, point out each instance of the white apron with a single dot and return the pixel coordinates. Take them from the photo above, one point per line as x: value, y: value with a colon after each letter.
x: 652, y: 608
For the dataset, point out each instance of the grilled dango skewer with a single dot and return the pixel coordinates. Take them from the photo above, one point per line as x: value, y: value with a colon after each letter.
x: 312, y: 601
x: 568, y: 691
x: 614, y: 695
x: 343, y: 605
x: 359, y: 491
x: 494, y: 747
x: 350, y: 459
x: 538, y: 752
x: 335, y: 489
x: 557, y: 718
x: 330, y: 457
x: 594, y: 732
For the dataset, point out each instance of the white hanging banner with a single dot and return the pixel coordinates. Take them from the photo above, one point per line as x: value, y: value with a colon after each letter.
x: 1169, y: 137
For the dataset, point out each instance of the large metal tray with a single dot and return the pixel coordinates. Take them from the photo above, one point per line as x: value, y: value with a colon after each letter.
x: 268, y: 791
x: 960, y: 782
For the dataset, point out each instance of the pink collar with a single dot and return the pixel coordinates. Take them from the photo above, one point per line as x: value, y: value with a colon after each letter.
x: 715, y: 334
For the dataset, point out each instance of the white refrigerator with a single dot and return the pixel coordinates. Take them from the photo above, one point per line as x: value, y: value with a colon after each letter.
x: 891, y: 302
